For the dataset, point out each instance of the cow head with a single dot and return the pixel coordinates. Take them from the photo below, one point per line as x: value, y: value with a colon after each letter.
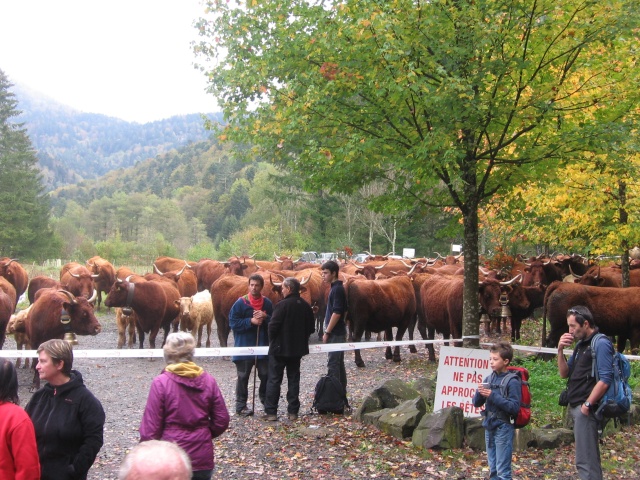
x: 82, y: 320
x: 119, y: 295
x: 184, y: 304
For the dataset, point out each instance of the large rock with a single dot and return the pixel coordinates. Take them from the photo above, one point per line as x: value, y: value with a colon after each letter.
x: 388, y: 395
x: 393, y: 392
x: 427, y: 389
x: 474, y: 433
x: 442, y: 429
x: 551, y: 438
x: 400, y: 422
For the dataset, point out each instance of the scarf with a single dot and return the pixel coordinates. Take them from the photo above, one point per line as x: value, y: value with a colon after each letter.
x: 256, y: 303
x: 186, y: 369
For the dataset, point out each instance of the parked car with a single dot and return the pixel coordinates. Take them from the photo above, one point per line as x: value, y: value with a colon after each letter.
x: 309, y: 257
x: 326, y: 256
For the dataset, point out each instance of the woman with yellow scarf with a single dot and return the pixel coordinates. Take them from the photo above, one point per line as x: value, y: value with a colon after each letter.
x: 185, y: 406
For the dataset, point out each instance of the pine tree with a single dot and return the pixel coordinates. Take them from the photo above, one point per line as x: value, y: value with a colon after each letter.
x: 24, y: 207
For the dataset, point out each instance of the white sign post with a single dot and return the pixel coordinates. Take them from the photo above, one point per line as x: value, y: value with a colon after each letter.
x: 459, y: 372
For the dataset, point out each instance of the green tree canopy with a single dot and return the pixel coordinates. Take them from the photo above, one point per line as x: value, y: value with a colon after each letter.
x: 24, y: 208
x: 445, y: 102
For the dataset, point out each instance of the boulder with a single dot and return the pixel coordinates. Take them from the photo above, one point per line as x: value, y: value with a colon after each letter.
x: 427, y: 389
x: 400, y: 422
x: 474, y: 433
x: 393, y: 392
x: 550, y: 438
x: 442, y: 429
x: 388, y: 395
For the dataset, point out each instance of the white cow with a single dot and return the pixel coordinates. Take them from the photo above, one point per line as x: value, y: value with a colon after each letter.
x: 195, y: 313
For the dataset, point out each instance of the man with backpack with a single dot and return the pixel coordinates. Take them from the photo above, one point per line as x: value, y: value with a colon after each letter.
x: 584, y: 389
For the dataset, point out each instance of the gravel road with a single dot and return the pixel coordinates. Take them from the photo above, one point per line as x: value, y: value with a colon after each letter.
x: 249, y: 447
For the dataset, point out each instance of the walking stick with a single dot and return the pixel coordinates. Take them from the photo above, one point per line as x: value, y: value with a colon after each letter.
x: 255, y: 372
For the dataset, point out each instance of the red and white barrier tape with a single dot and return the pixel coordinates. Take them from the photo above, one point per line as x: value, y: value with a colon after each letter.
x: 233, y: 351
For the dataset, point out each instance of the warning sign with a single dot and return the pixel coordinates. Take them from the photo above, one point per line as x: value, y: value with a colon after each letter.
x: 459, y: 372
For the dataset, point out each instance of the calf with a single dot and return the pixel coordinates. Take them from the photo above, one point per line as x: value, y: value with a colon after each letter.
x: 18, y: 327
x: 195, y: 313
x: 126, y: 322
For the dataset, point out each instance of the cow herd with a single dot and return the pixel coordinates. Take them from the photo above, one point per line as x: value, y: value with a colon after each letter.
x: 383, y: 293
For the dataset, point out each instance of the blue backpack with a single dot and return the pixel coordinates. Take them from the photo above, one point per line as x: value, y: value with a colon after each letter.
x: 617, y: 399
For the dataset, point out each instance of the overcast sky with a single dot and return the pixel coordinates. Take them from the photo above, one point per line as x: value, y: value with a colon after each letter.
x: 128, y: 59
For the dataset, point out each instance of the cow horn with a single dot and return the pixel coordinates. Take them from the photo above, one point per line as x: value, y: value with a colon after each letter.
x: 547, y: 262
x: 119, y: 280
x: 412, y: 269
x: 9, y: 262
x: 408, y: 266
x: 93, y: 297
x: 276, y: 284
x: 127, y: 279
x: 305, y: 281
x: 379, y: 267
x: 574, y: 275
x: 514, y: 279
x: 75, y: 275
x: 484, y: 272
x: 439, y: 256
x: 91, y: 264
x: 95, y: 275
x: 368, y: 253
x: 70, y: 296
x: 186, y: 264
x: 355, y: 264
x: 155, y: 267
x: 180, y: 272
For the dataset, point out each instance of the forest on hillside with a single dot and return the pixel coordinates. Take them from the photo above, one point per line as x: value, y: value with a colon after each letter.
x: 197, y: 201
x: 72, y: 145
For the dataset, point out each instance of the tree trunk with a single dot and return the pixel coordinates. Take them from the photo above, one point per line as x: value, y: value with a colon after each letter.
x: 471, y: 308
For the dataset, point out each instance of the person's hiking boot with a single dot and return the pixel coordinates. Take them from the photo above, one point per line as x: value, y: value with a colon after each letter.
x: 245, y: 412
x: 293, y: 416
x: 269, y: 417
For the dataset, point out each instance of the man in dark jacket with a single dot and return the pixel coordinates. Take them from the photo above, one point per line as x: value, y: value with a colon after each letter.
x: 249, y: 319
x: 291, y: 325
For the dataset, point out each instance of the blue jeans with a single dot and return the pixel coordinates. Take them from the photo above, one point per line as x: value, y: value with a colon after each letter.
x: 499, y: 447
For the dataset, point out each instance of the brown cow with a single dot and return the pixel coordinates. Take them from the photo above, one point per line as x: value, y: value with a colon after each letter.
x: 18, y: 328
x: 606, y: 277
x: 167, y: 264
x: 195, y: 313
x: 15, y: 274
x: 377, y: 306
x: 9, y: 289
x: 208, y: 271
x: 153, y: 302
x: 6, y: 309
x: 77, y: 279
x: 126, y: 324
x: 39, y: 282
x: 184, y: 279
x: 615, y: 311
x: 45, y: 319
x: 123, y: 272
x: 106, y: 275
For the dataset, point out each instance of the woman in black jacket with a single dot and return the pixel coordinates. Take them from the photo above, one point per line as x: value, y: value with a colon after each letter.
x: 68, y: 419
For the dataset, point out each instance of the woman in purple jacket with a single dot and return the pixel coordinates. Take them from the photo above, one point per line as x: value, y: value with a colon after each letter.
x: 185, y: 406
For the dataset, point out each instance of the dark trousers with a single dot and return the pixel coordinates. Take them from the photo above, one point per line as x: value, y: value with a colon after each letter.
x: 277, y: 366
x: 244, y: 368
x: 335, y: 361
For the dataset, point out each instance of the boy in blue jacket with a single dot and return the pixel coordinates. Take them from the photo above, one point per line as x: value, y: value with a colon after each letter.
x: 499, y: 410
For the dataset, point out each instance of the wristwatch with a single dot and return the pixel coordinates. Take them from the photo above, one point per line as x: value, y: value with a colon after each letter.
x: 587, y: 404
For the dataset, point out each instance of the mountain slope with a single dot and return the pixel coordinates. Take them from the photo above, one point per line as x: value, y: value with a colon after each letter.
x: 74, y: 145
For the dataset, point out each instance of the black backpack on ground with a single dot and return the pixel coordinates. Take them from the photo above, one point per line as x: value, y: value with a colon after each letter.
x: 329, y: 396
